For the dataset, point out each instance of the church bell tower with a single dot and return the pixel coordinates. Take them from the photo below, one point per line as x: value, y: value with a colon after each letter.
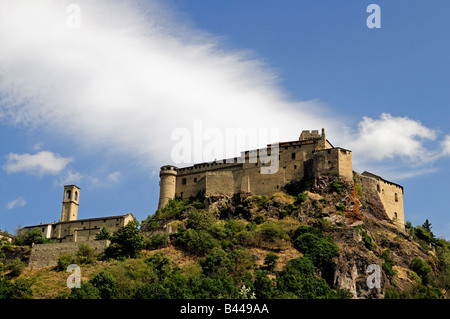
x: 70, y: 203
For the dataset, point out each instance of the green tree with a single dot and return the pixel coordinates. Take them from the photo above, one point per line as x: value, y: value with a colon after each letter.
x: 104, y: 233
x: 105, y: 284
x: 127, y: 241
x: 270, y: 262
x: 32, y: 236
x: 19, y: 289
x: 86, y: 291
x: 422, y: 269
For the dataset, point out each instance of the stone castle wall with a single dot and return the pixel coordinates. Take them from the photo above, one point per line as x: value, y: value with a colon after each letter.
x: 46, y: 255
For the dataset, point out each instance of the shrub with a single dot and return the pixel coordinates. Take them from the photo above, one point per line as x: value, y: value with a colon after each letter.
x: 127, y: 241
x: 19, y: 289
x: 319, y: 249
x: 104, y: 233
x: 86, y: 291
x: 63, y: 262
x: 157, y: 241
x: 271, y: 232
x: 85, y: 255
x: 16, y: 267
x: 299, y: 278
x: 367, y: 240
x: 199, y: 219
x: 198, y: 242
x: 337, y: 186
x: 301, y: 198
x: 32, y: 236
x: 388, y: 264
x: 270, y: 262
x: 422, y: 269
x: 105, y: 284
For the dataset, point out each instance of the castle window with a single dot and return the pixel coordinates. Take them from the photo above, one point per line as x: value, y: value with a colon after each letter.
x: 378, y: 188
x: 68, y: 194
x: 195, y: 179
x: 396, y: 197
x: 329, y: 162
x: 181, y: 195
x: 293, y: 155
x: 76, y: 195
x: 183, y: 181
x: 395, y: 215
x: 295, y: 166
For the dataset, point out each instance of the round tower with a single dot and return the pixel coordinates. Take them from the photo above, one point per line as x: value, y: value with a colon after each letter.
x: 70, y: 203
x: 167, y: 184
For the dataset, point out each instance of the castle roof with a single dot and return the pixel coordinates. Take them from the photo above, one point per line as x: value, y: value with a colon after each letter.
x: 79, y: 220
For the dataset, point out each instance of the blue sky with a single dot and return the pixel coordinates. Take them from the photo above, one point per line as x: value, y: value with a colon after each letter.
x: 95, y: 101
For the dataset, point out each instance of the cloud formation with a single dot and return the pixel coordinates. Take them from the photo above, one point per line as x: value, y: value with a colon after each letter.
x: 121, y: 77
x: 18, y: 202
x: 130, y: 75
x: 390, y: 136
x: 41, y: 163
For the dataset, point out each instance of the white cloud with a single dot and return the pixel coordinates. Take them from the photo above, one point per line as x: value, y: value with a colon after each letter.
x: 393, y: 137
x: 134, y: 72
x: 41, y: 163
x: 445, y: 144
x: 97, y: 179
x: 130, y: 75
x: 18, y: 202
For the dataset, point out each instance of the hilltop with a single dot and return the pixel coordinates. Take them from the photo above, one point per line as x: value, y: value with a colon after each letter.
x: 313, y: 239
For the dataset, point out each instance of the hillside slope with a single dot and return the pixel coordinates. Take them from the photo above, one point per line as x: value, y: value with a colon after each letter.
x: 316, y: 239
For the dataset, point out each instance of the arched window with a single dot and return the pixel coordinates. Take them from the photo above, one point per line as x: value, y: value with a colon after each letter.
x: 68, y: 194
x: 396, y: 197
x: 76, y: 195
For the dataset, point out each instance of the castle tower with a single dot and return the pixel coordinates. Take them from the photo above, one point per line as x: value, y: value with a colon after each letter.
x: 167, y: 184
x: 70, y: 203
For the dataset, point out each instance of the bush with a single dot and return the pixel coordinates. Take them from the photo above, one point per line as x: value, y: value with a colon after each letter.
x: 388, y: 264
x: 19, y: 289
x: 272, y: 232
x: 320, y: 250
x: 63, y: 262
x: 422, y: 269
x: 337, y: 186
x: 85, y: 255
x: 270, y: 262
x: 197, y: 242
x: 301, y: 198
x: 157, y: 241
x: 298, y: 278
x: 127, y: 241
x: 16, y: 267
x: 32, y: 236
x: 105, y: 284
x: 199, y: 219
x: 104, y: 233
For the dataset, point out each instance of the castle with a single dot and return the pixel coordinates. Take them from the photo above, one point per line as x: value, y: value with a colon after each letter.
x: 71, y: 229
x: 265, y: 171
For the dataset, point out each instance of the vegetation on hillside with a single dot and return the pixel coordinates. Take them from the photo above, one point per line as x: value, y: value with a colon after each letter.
x: 279, y: 246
